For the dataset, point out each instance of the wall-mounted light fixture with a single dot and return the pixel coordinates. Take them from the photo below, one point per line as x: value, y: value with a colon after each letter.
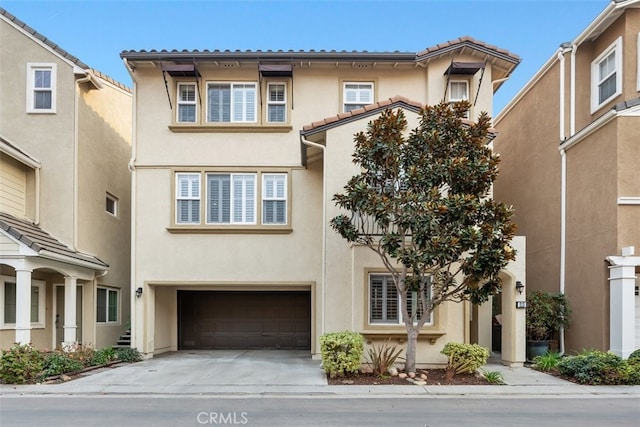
x: 139, y: 292
x: 519, y: 287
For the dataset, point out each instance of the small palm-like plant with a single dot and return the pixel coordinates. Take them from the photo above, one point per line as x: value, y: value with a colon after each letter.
x: 493, y: 377
x: 382, y: 357
x: 547, y: 362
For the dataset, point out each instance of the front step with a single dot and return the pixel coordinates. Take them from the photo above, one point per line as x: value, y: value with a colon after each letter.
x: 124, y: 341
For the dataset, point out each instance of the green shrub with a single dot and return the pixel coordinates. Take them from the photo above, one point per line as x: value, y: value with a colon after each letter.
x: 104, y: 356
x: 128, y: 354
x: 58, y: 363
x: 382, y: 357
x: 81, y: 353
x: 493, y: 377
x: 464, y: 357
x: 594, y: 367
x: 21, y: 364
x: 341, y: 352
x: 634, y: 356
x: 547, y: 362
x: 630, y: 371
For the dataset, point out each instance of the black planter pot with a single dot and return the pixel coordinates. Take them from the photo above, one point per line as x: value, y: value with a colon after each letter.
x: 537, y: 348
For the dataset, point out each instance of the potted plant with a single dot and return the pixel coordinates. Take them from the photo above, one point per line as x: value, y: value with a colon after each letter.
x: 547, y: 313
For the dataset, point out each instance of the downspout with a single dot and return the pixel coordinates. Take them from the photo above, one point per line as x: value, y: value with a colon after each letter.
x: 563, y: 162
x: 132, y: 169
x: 324, y: 228
x: 76, y: 137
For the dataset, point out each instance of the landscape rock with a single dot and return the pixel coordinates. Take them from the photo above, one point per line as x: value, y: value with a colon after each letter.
x: 366, y: 369
x: 393, y: 371
x: 412, y: 374
x: 402, y: 375
x: 65, y: 378
x: 423, y: 376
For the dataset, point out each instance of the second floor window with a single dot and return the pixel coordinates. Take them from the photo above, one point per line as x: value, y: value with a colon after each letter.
x: 231, y: 102
x: 231, y: 199
x: 41, y: 93
x: 186, y: 103
x: 188, y: 198
x: 357, y: 95
x: 606, y: 75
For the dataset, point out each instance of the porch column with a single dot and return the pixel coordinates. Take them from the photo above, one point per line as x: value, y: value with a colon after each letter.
x: 513, y: 325
x: 70, y: 285
x: 622, y: 281
x: 23, y: 306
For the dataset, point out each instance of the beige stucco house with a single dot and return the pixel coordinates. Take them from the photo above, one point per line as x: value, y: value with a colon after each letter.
x: 570, y: 147
x: 236, y: 157
x: 65, y: 142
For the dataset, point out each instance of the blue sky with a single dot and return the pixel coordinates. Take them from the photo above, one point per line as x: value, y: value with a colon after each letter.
x: 97, y: 31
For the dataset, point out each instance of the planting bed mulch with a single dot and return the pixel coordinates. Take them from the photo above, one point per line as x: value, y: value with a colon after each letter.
x: 434, y: 377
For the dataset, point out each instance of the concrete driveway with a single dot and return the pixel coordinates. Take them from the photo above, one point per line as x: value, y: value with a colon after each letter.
x: 205, y: 369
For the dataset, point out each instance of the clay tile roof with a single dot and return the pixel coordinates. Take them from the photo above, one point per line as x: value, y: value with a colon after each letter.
x: 357, y: 114
x: 63, y: 53
x: 471, y: 42
x: 40, y: 241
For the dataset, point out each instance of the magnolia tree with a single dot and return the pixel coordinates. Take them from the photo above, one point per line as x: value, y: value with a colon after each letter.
x: 422, y: 203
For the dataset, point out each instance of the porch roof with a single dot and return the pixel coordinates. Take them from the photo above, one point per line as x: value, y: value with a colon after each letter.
x: 38, y: 240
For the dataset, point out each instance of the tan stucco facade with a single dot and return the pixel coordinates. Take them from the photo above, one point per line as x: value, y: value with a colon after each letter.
x: 71, y: 156
x: 302, y: 253
x: 570, y: 171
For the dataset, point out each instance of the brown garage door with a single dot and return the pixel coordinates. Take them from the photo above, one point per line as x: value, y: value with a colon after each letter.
x: 221, y: 319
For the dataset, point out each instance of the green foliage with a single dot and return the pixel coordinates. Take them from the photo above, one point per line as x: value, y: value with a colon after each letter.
x: 422, y: 203
x: 128, y: 354
x: 382, y: 357
x: 547, y: 312
x: 81, y: 353
x: 493, y: 377
x: 595, y: 367
x: 547, y: 362
x: 634, y: 356
x: 341, y: 352
x: 103, y: 356
x: 21, y: 364
x: 57, y: 363
x: 464, y: 357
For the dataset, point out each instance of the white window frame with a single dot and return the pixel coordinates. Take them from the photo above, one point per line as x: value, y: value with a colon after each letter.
x: 114, y: 201
x: 191, y: 177
x: 638, y: 67
x: 32, y: 67
x: 274, y: 197
x: 450, y: 92
x: 358, y: 102
x: 184, y: 103
x: 247, y: 206
x: 37, y: 285
x: 233, y: 86
x: 596, y: 80
x: 388, y: 282
x: 108, y: 292
x: 272, y: 103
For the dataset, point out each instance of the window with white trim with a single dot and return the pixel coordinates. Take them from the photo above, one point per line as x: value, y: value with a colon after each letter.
x: 187, y: 106
x: 188, y: 198
x: 357, y: 95
x: 384, y: 302
x: 107, y: 302
x: 274, y: 198
x: 41, y: 88
x: 111, y: 204
x: 459, y: 91
x: 276, y: 103
x: 8, y: 289
x: 231, y: 198
x: 606, y: 75
x: 231, y: 102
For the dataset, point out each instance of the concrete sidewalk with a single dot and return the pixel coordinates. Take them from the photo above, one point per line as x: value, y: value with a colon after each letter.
x: 285, y: 373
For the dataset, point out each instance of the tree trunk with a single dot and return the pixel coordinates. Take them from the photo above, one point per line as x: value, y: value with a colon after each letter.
x: 412, y: 343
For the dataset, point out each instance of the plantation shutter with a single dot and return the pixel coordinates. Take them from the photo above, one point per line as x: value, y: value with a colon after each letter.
x: 274, y: 203
x: 376, y: 299
x: 244, y: 196
x: 219, y: 99
x: 188, y: 198
x: 219, y: 199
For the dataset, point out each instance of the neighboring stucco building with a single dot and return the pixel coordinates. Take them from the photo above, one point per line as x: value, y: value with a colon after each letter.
x: 65, y: 142
x: 236, y: 157
x: 570, y: 147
